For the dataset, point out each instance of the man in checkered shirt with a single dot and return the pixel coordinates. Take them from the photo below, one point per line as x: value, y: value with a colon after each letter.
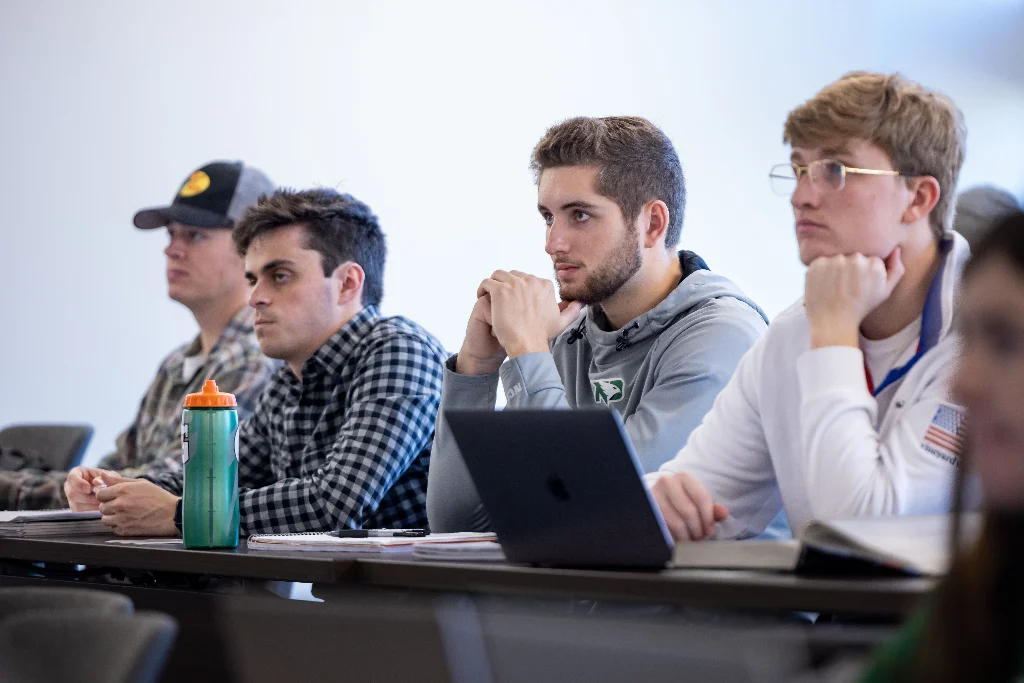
x: 341, y: 438
x: 206, y: 275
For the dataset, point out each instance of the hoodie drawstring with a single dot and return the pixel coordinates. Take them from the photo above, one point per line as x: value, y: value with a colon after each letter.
x: 579, y: 333
x: 623, y: 340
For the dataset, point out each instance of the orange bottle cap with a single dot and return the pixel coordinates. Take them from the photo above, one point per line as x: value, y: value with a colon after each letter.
x: 210, y: 397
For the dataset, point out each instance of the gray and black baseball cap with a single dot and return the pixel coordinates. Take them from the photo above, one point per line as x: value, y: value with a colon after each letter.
x: 213, y: 196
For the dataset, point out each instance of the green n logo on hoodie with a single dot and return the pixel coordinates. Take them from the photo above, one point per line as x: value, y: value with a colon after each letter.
x: 607, y: 390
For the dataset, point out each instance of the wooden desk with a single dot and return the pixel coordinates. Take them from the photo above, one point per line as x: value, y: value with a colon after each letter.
x: 239, y: 563
x: 207, y: 618
x: 368, y: 598
x: 729, y: 589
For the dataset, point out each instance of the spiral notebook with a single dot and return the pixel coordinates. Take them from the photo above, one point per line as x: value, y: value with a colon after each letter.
x: 326, y: 542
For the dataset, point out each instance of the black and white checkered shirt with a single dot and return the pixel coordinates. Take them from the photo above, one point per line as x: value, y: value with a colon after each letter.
x: 348, y: 445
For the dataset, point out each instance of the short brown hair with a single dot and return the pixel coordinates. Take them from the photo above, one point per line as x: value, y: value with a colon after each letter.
x: 636, y: 159
x: 921, y: 130
x: 338, y: 225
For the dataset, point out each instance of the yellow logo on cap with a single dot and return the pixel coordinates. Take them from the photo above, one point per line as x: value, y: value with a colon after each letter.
x: 197, y: 182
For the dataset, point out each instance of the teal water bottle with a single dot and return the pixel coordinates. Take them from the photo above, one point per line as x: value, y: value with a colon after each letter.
x: 209, y: 455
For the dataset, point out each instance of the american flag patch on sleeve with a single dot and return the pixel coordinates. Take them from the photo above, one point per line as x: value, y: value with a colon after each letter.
x: 944, y: 436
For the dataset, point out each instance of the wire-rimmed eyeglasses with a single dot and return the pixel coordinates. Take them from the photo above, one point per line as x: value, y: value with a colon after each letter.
x: 826, y: 174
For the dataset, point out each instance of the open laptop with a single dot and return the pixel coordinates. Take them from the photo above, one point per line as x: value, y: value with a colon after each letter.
x: 562, y: 487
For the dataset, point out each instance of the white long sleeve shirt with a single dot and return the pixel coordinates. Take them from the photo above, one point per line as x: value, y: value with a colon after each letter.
x: 799, y: 429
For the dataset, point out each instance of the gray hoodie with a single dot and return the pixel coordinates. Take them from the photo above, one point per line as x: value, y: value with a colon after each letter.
x: 661, y: 371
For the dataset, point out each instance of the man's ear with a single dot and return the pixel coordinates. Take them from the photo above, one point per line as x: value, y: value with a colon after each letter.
x: 348, y: 279
x: 655, y: 216
x: 924, y: 195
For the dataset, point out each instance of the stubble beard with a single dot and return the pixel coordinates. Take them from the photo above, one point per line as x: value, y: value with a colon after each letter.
x: 608, y: 278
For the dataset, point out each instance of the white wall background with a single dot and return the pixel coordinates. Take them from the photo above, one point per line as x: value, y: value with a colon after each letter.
x: 427, y: 111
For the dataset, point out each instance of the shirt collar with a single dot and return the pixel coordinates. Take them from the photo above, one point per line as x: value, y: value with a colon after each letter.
x: 330, y: 358
x: 238, y: 327
x: 175, y: 363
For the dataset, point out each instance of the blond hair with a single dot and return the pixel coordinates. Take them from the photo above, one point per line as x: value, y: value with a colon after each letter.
x: 921, y: 130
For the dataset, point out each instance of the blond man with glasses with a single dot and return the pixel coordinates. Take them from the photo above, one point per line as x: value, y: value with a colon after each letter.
x: 843, y: 409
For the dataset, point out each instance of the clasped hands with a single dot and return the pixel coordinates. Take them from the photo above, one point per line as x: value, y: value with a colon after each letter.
x: 515, y: 314
x: 130, y: 507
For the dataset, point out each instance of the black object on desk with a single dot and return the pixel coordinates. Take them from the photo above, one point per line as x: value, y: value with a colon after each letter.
x: 562, y: 487
x: 379, y: 533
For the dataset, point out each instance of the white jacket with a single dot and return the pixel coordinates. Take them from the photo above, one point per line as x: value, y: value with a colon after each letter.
x: 797, y: 428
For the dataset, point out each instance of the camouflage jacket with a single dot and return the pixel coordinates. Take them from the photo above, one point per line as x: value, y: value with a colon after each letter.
x: 152, y: 443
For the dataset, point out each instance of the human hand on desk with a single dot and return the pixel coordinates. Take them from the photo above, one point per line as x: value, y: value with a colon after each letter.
x: 82, y: 483
x: 687, y: 507
x: 138, y: 507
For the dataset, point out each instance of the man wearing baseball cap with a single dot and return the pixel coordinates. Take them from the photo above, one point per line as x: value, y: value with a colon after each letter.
x: 213, y: 196
x: 205, y: 274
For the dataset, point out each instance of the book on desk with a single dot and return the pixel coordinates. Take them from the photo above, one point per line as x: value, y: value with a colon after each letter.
x: 873, y: 546
x: 44, y: 523
x: 910, y: 545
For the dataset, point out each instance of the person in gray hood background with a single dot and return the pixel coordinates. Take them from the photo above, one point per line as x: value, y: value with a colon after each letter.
x: 641, y: 328
x: 979, y: 208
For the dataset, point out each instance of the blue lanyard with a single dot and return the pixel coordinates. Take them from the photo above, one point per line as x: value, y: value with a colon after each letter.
x: 931, y: 327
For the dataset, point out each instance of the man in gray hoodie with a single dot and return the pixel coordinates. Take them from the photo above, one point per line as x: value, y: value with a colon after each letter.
x: 642, y: 329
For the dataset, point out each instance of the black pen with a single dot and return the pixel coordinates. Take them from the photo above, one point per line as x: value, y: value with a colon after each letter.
x: 379, y: 533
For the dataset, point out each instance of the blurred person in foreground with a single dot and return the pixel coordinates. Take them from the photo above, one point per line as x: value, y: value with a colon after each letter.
x: 973, y: 627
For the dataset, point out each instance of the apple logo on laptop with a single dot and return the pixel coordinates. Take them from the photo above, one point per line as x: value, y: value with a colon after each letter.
x: 558, y: 488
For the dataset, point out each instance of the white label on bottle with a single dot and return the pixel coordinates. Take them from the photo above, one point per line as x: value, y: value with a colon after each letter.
x: 185, y: 419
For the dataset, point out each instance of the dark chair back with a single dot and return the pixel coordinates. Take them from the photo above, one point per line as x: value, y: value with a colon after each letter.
x: 60, y: 446
x: 21, y: 600
x: 362, y: 637
x: 85, y: 646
